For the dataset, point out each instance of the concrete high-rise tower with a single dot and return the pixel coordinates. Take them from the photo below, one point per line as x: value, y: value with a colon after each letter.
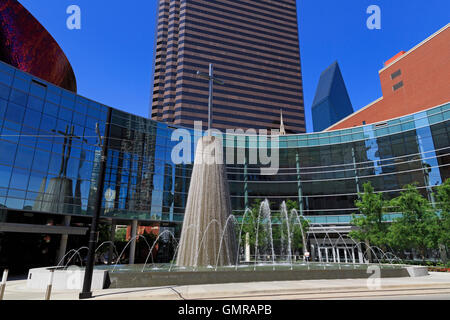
x: 254, y: 47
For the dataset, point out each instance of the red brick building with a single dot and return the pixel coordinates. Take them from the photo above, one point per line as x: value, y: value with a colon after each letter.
x: 410, y: 81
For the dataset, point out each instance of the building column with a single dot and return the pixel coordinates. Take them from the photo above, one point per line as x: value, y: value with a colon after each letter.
x: 134, y: 225
x: 63, y: 242
x: 112, y: 236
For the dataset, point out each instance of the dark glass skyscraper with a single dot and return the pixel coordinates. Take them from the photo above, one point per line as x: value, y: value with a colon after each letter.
x: 254, y: 47
x: 331, y: 102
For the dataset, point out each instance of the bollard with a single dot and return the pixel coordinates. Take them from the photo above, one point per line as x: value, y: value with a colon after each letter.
x: 3, y: 283
x: 49, y: 286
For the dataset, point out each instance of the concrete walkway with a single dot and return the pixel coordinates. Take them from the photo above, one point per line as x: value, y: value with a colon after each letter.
x: 436, y: 283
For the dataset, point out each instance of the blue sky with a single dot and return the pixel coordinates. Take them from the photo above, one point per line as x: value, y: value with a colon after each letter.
x: 112, y: 53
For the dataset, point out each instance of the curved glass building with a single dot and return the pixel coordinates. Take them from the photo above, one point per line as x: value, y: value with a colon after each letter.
x: 49, y: 160
x: 49, y: 166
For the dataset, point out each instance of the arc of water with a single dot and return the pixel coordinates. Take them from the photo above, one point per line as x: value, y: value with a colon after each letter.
x: 257, y: 233
x: 297, y: 217
x: 371, y: 249
x: 304, y: 238
x: 240, y: 235
x: 264, y: 204
x: 395, y: 257
x: 221, y: 239
x: 345, y: 244
x: 326, y: 234
x: 105, y: 242
x: 203, y: 238
x: 383, y: 254
x: 126, y: 246
x: 269, y: 219
x: 176, y: 250
x: 154, y: 243
x: 62, y: 259
x: 340, y: 238
x: 284, y: 212
x: 346, y: 247
x: 75, y: 253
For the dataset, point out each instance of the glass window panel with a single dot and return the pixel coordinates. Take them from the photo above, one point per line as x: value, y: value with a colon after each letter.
x: 28, y: 136
x: 66, y: 103
x: 21, y: 84
x: 41, y: 161
x: 3, y: 106
x: 44, y: 143
x: 6, y: 78
x: 62, y: 126
x: 24, y: 157
x: 37, y: 182
x: 19, y: 179
x: 32, y: 118
x: 9, y: 134
x: 15, y: 113
x: 35, y: 103
x: 55, y: 164
x: 68, y: 95
x: 79, y: 118
x: 38, y: 90
x: 4, y: 91
x: 18, y: 97
x: 14, y: 203
x: 47, y: 124
x: 65, y: 114
x: 5, y: 175
x: 53, y: 97
x: 93, y: 112
x: 51, y: 109
x: 80, y: 107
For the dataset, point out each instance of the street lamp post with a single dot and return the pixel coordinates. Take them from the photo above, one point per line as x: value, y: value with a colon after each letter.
x: 210, y: 77
x: 86, y: 293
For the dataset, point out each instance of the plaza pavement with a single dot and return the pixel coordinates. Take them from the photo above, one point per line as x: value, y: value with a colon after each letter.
x: 434, y: 286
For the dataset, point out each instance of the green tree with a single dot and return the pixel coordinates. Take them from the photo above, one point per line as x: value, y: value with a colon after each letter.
x: 370, y: 225
x: 120, y: 235
x: 443, y: 198
x: 418, y: 227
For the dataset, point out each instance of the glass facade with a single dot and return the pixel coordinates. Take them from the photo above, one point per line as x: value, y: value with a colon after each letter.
x: 49, y: 159
x: 48, y: 145
x: 331, y: 102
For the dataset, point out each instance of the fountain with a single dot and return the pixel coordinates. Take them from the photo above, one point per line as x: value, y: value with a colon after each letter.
x: 208, y: 207
x: 208, y: 250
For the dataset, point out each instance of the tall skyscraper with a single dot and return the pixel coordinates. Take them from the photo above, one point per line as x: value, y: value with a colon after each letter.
x: 331, y: 102
x: 254, y: 47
